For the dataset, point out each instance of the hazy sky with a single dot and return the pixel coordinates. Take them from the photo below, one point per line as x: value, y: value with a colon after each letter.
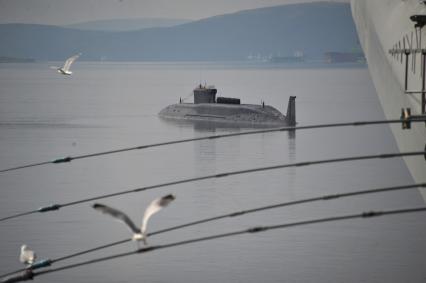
x: 72, y: 11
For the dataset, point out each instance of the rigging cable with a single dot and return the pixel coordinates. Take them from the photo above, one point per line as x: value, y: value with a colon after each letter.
x: 29, y: 274
x: 409, y: 119
x: 55, y: 207
x: 233, y: 214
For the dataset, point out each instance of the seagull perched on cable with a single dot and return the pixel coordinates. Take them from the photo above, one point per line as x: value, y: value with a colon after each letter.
x: 138, y: 234
x: 65, y: 70
x: 27, y: 256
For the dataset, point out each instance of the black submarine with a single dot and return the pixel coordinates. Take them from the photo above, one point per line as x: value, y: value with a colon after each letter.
x: 208, y: 107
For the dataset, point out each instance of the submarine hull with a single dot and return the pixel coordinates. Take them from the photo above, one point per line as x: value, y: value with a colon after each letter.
x: 226, y: 113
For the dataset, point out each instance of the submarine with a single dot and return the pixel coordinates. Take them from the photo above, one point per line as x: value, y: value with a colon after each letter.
x: 207, y: 107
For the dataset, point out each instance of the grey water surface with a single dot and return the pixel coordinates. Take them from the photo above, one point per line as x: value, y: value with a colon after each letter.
x: 104, y: 106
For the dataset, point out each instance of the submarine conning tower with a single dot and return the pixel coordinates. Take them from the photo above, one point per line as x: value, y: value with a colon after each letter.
x: 205, y: 94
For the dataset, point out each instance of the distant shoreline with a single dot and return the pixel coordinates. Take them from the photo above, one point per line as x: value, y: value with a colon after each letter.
x: 16, y: 60
x: 245, y: 64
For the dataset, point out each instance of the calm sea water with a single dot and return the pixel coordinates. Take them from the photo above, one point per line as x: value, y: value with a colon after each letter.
x: 103, y: 106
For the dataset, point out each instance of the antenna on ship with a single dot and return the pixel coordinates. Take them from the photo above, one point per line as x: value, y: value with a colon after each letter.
x: 420, y: 22
x: 407, y: 49
x: 413, y: 61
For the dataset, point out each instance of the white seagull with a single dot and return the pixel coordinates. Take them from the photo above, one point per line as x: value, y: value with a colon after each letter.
x: 27, y: 256
x: 65, y: 70
x: 138, y: 234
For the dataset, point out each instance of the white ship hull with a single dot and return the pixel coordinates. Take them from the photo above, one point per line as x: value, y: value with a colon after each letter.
x: 382, y: 25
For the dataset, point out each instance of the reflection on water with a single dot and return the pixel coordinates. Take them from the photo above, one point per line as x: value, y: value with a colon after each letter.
x: 292, y: 144
x: 211, y: 126
x: 44, y: 124
x: 110, y: 106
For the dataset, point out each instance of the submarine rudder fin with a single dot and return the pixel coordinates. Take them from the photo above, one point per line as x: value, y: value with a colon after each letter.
x: 291, y: 111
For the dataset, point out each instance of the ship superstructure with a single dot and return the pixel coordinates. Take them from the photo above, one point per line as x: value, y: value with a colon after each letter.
x: 393, y: 37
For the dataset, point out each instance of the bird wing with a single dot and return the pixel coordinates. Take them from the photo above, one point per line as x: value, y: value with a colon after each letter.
x: 69, y: 61
x: 117, y: 214
x: 31, y: 256
x: 154, y: 207
x: 22, y: 257
x: 27, y: 256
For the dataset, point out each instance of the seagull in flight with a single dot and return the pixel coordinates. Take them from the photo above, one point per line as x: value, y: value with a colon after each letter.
x: 138, y: 233
x: 27, y: 256
x: 65, y: 70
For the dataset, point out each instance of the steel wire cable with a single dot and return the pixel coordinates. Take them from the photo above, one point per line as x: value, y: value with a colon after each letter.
x: 29, y: 274
x: 55, y: 207
x: 237, y: 214
x: 280, y: 129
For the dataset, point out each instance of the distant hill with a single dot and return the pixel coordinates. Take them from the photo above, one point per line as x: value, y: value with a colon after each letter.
x: 126, y: 24
x: 312, y: 28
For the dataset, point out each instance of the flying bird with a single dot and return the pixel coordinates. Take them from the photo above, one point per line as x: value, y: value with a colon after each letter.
x: 138, y: 233
x: 27, y: 256
x: 65, y: 70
